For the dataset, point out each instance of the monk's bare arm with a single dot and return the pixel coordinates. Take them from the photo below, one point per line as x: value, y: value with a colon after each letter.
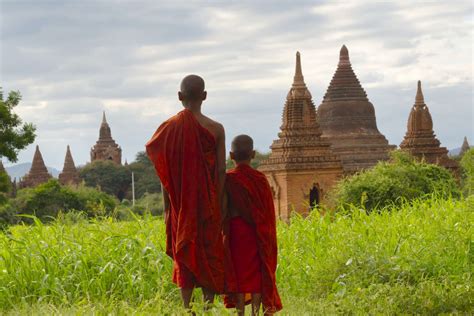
x: 221, y: 162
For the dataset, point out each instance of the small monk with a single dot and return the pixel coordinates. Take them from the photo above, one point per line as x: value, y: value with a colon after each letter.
x: 249, y: 235
x: 188, y: 152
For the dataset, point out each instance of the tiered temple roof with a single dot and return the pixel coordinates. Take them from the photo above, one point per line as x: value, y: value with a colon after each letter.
x: 106, y: 148
x: 300, y: 145
x: 38, y: 173
x: 465, y: 147
x: 69, y: 175
x: 301, y: 167
x: 347, y: 119
x: 420, y: 139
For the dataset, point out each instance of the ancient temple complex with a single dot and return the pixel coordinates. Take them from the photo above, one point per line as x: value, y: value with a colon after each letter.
x: 347, y: 120
x: 420, y: 139
x: 465, y: 147
x: 69, y: 175
x: 301, y: 167
x: 106, y: 148
x: 38, y: 173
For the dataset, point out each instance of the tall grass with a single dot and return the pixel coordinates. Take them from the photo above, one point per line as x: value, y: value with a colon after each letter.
x: 415, y: 259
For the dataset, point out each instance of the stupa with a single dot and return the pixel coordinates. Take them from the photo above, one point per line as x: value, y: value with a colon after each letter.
x: 301, y: 167
x: 465, y: 147
x: 420, y: 140
x: 69, y: 175
x: 38, y: 173
x: 347, y: 120
x: 106, y: 148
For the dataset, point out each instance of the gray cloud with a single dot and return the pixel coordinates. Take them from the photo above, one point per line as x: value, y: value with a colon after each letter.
x: 73, y: 59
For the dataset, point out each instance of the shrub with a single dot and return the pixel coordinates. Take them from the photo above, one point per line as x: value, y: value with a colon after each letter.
x: 149, y: 204
x: 48, y: 199
x: 401, y: 178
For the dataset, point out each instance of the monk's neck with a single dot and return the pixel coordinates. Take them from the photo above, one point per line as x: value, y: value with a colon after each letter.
x: 242, y: 164
x: 194, y: 108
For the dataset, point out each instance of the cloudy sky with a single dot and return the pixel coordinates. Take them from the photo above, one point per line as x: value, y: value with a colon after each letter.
x: 73, y: 59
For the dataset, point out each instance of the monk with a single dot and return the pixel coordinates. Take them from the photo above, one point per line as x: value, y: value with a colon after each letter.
x: 188, y: 152
x: 249, y: 235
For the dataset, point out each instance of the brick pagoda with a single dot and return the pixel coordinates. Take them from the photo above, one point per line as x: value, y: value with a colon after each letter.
x: 69, y: 175
x: 38, y: 173
x: 301, y: 167
x: 106, y: 148
x: 347, y: 120
x: 420, y: 140
x: 465, y: 147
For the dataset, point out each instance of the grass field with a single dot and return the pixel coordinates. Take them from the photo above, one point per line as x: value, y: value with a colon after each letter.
x: 416, y: 259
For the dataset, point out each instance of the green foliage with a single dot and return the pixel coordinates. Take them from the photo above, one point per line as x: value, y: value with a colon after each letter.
x: 148, y: 204
x: 467, y: 177
x: 14, y: 135
x: 146, y: 180
x: 259, y: 157
x: 47, y: 200
x: 402, y: 178
x: 415, y: 260
x: 5, y: 186
x: 108, y: 176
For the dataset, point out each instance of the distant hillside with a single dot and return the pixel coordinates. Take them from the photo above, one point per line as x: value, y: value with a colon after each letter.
x: 454, y: 151
x: 18, y: 171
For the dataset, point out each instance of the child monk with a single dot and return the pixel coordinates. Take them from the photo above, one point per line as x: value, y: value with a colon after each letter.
x: 188, y: 152
x: 249, y: 235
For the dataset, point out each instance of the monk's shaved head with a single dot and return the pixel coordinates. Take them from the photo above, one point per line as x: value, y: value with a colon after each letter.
x: 192, y: 88
x: 242, y: 148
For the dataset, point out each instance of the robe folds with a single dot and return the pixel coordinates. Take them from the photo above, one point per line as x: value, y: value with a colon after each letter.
x: 249, y: 192
x: 185, y: 158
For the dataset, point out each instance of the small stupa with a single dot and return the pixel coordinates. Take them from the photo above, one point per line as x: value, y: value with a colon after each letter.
x: 106, y: 148
x: 465, y: 147
x: 420, y: 140
x: 69, y: 175
x: 38, y: 173
x: 347, y: 120
x: 301, y: 167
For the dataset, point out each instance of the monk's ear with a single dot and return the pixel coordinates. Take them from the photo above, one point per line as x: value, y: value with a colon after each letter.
x: 204, y: 95
x: 180, y: 96
x: 253, y: 154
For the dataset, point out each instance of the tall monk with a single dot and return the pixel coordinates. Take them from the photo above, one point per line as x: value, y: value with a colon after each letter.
x: 249, y: 235
x: 188, y: 152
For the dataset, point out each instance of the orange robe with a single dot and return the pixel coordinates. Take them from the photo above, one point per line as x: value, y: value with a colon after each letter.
x: 249, y: 192
x: 185, y: 158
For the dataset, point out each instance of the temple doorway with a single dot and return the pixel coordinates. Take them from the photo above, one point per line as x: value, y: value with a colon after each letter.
x: 314, y: 196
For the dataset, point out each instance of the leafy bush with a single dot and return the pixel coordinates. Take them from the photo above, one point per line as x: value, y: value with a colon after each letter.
x: 48, y: 199
x: 467, y: 177
x: 149, y: 204
x: 401, y: 178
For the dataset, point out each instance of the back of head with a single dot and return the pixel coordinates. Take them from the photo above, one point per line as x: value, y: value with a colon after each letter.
x: 192, y: 89
x: 242, y: 148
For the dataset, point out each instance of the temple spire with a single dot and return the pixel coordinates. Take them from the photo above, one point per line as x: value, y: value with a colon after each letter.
x: 38, y: 173
x: 104, y: 120
x: 38, y: 165
x: 344, y: 56
x: 419, y: 99
x: 298, y: 79
x: 69, y: 175
x: 465, y: 147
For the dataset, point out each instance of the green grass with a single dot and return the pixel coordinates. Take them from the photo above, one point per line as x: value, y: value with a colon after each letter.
x: 416, y: 259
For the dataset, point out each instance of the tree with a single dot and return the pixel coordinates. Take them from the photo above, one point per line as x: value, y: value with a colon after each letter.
x: 146, y: 180
x: 467, y: 177
x: 108, y: 176
x: 14, y: 134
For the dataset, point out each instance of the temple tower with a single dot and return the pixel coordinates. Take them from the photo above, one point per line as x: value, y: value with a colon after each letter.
x: 301, y: 167
x: 38, y: 173
x: 420, y: 140
x: 106, y: 148
x: 347, y: 120
x: 69, y: 175
x: 465, y: 147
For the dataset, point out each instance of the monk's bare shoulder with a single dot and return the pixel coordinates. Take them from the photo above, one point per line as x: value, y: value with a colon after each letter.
x: 214, y: 127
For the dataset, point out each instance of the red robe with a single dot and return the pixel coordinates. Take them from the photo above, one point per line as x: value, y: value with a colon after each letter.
x: 185, y: 158
x: 249, y: 192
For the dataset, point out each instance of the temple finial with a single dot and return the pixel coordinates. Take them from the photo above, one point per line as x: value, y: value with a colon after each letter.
x: 104, y: 120
x: 419, y: 99
x: 298, y: 79
x: 344, y: 55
